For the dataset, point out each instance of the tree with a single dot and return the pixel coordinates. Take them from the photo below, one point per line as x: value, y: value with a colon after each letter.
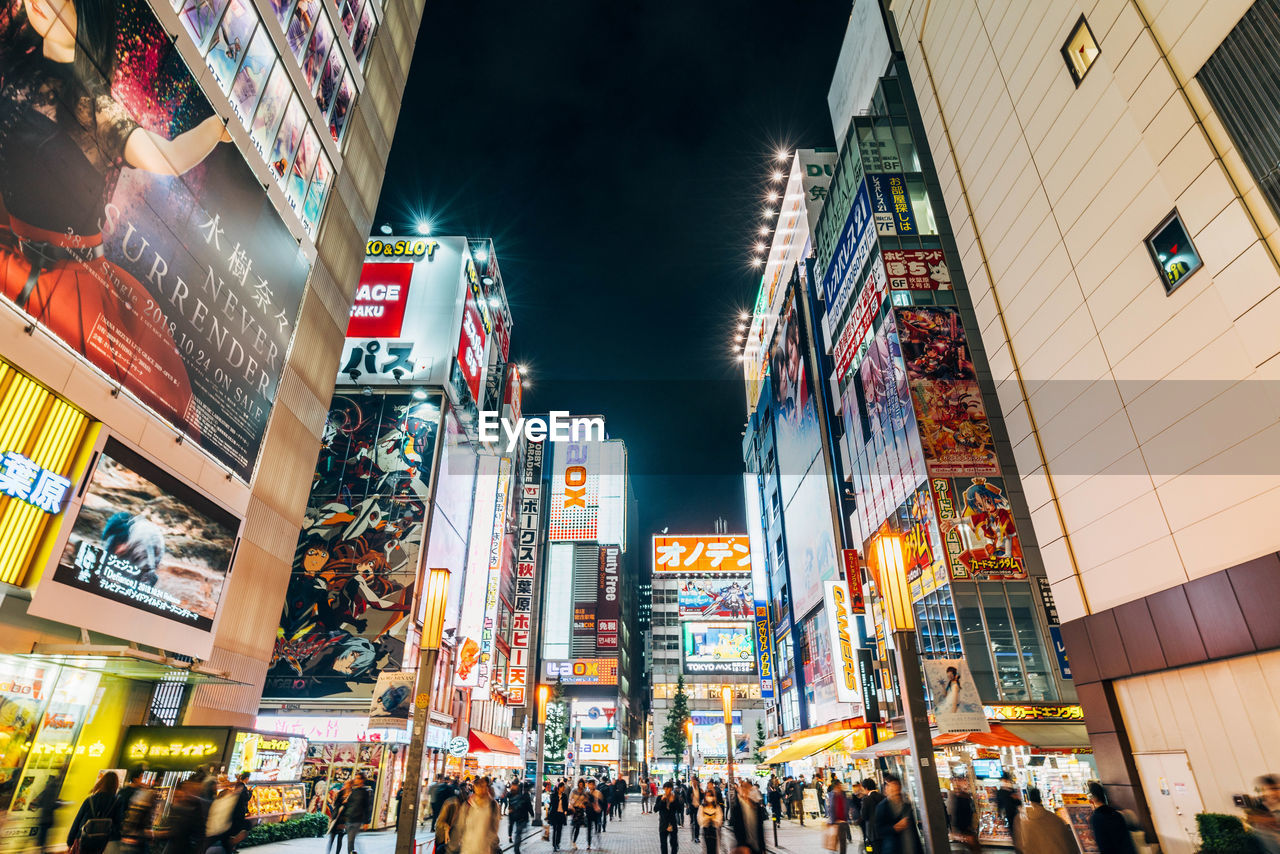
x: 673, y: 737
x: 557, y: 737
x: 759, y: 754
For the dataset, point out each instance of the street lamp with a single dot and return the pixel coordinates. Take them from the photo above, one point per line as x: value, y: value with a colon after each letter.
x: 434, y: 601
x: 726, y: 702
x: 890, y: 575
x: 542, y: 752
x: 688, y: 737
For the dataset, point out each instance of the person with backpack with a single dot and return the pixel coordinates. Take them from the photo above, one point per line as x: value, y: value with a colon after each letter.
x: 133, y: 810
x: 95, y: 825
x: 870, y: 802
x: 357, y: 809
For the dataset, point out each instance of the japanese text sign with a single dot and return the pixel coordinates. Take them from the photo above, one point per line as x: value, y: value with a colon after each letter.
x: 702, y: 553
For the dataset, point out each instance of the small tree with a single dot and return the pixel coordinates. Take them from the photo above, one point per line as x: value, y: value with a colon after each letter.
x: 557, y: 737
x: 759, y: 754
x: 673, y: 737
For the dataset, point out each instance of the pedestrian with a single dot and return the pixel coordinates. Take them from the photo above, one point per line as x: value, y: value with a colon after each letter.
x: 871, y: 800
x: 962, y: 812
x: 746, y: 818
x: 896, y: 821
x: 580, y: 806
x: 669, y: 810
x: 1110, y: 830
x: 836, y: 809
x: 519, y: 811
x: 45, y: 804
x: 357, y: 809
x: 440, y: 793
x: 601, y: 797
x: 619, y: 796
x: 133, y: 810
x: 336, y: 826
x: 1042, y: 832
x: 184, y: 831
x: 788, y: 795
x: 1264, y: 828
x: 694, y: 804
x: 443, y: 820
x: 476, y: 825
x: 95, y: 825
x: 775, y: 799
x: 1269, y: 786
x: 1008, y: 803
x: 710, y: 818
x: 797, y: 797
x: 645, y: 794
x: 822, y: 797
x: 557, y: 814
x: 500, y: 794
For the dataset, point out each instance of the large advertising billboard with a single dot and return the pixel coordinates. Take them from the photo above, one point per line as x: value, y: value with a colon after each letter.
x: 451, y: 516
x: 922, y: 551
x: 136, y: 233
x: 528, y: 514
x: 977, y: 527
x: 719, y: 647
x: 583, y: 671
x: 350, y: 594
x: 471, y: 668
x: 843, y: 631
x: 144, y: 541
x: 694, y: 553
x: 715, y: 598
x: 588, y: 491
x: 795, y: 412
x: 811, y: 545
x: 944, y: 388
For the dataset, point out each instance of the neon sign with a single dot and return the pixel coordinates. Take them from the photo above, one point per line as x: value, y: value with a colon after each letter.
x: 25, y: 480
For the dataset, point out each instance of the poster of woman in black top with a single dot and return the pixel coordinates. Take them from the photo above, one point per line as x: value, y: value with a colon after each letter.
x: 132, y: 229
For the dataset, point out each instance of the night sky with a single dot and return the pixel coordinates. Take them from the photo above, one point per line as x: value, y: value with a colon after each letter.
x: 618, y: 154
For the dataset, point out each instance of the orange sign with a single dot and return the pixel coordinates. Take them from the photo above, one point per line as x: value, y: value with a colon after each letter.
x: 702, y: 553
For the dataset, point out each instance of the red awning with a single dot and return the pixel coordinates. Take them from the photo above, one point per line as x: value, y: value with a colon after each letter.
x: 998, y: 737
x: 487, y: 742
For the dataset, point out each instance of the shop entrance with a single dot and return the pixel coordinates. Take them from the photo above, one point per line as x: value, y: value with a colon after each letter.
x: 1173, y: 797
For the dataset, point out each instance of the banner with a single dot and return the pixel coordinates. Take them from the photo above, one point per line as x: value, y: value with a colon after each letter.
x: 349, y: 600
x: 890, y: 204
x: 718, y: 648
x: 528, y: 514
x: 977, y: 527
x: 956, y: 704
x: 715, y: 598
x: 922, y: 550
x: 917, y: 269
x: 702, y: 553
x: 764, y: 649
x: 182, y: 288
x: 392, y: 700
x: 844, y: 641
x: 853, y: 578
x: 608, y: 599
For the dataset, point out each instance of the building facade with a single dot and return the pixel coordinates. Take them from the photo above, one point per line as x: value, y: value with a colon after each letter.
x: 1107, y: 169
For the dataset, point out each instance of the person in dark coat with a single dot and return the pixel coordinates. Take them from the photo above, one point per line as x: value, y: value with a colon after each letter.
x: 1110, y: 830
x: 963, y: 814
x: 132, y: 812
x: 187, y: 814
x: 97, y: 824
x: 558, y: 813
x: 871, y: 800
x: 357, y: 809
x: 443, y: 791
x: 746, y: 818
x: 896, y: 821
x: 519, y: 811
x: 669, y: 810
x: 1008, y: 804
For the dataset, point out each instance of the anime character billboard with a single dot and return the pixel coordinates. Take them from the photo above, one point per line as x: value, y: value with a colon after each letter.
x: 715, y: 598
x: 944, y: 388
x: 351, y: 591
x: 134, y: 230
x: 977, y: 528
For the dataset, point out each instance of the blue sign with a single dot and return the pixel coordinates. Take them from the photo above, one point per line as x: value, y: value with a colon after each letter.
x: 855, y: 245
x: 27, y: 481
x: 1064, y: 663
x: 891, y: 204
x: 764, y: 649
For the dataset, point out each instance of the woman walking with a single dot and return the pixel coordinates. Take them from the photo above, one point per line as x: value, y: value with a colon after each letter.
x: 336, y: 826
x: 710, y: 818
x: 558, y: 814
x: 96, y: 825
x: 580, y: 806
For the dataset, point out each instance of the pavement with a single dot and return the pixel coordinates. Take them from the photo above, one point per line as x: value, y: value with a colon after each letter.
x: 634, y: 833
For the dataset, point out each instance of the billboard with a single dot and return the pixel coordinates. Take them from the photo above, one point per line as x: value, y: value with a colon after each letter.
x: 718, y: 647
x: 977, y: 528
x: 584, y: 671
x: 702, y: 553
x: 146, y: 559
x: 157, y: 256
x: 922, y: 551
x: 715, y: 598
x: 381, y: 297
x: 471, y: 338
x: 593, y: 714
x: 944, y: 389
x: 857, y: 240
x: 451, y: 516
x: 472, y: 661
x: 842, y: 626
x: 608, y: 598
x: 890, y: 204
x: 813, y: 649
x: 811, y: 544
x: 588, y: 489
x: 795, y: 411
x: 557, y: 602
x: 528, y: 513
x: 916, y: 269
x: 864, y: 58
x: 598, y: 750
x: 764, y: 647
x: 350, y: 595
x: 956, y: 704
x: 392, y: 697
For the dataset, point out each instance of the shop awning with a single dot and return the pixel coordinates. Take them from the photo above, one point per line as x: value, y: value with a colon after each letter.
x: 899, y: 745
x: 487, y: 742
x: 998, y: 737
x: 128, y: 663
x: 807, y: 746
x: 1051, y: 735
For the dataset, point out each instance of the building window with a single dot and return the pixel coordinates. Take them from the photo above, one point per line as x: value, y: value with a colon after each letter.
x: 1239, y: 80
x: 1080, y: 51
x: 1173, y: 253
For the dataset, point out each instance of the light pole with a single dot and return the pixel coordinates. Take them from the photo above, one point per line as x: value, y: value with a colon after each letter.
x: 542, y: 752
x: 437, y: 595
x: 688, y: 737
x: 726, y: 703
x: 895, y: 595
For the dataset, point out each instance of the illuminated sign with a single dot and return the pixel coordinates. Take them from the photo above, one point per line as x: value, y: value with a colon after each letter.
x: 173, y: 748
x: 718, y: 648
x: 401, y: 248
x: 916, y: 269
x: 383, y: 293
x: 1034, y: 713
x: 593, y: 714
x: 584, y: 671
x: 326, y: 728
x: 702, y: 553
x: 764, y: 647
x: 528, y: 511
x: 25, y: 480
x: 839, y: 620
x: 607, y: 600
x: 598, y: 750
x: 853, y: 580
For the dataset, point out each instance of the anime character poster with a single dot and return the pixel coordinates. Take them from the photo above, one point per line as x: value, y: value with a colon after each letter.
x: 795, y: 408
x: 392, y: 699
x: 715, y: 598
x: 944, y: 388
x: 977, y: 525
x: 349, y: 598
x: 922, y: 550
x: 135, y: 231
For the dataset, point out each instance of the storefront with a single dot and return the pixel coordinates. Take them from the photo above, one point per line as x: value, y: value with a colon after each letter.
x: 492, y: 755
x: 831, y: 749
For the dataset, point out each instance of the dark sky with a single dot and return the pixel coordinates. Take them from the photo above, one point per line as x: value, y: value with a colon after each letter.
x: 618, y: 153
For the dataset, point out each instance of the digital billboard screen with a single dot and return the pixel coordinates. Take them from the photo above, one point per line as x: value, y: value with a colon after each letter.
x: 716, y: 598
x: 718, y: 647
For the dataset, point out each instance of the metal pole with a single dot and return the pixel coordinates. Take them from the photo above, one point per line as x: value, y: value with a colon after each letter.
x: 911, y: 686
x: 407, y: 819
x: 577, y: 747
x: 537, y: 780
x: 728, y: 746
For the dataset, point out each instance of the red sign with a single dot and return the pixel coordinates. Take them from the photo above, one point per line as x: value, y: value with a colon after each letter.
x: 917, y: 269
x: 378, y: 311
x: 860, y: 320
x: 471, y: 347
x: 514, y: 394
x: 854, y: 579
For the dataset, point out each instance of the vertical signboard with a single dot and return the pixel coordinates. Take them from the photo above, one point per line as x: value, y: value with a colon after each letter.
x: 497, y: 540
x: 471, y: 621
x: 977, y: 525
x: 841, y: 626
x: 529, y: 513
x: 892, y: 206
x: 764, y: 649
x: 471, y: 346
x: 853, y: 578
x: 607, y: 599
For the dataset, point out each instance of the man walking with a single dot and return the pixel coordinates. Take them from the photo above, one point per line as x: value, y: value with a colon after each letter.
x: 837, y: 813
x: 1008, y: 803
x: 519, y: 811
x: 1110, y: 830
x: 357, y: 809
x: 797, y: 795
x: 870, y: 801
x: 669, y: 811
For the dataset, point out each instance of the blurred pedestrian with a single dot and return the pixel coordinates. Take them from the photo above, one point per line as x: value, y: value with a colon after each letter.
x: 580, y: 809
x: 184, y: 830
x: 797, y: 798
x: 746, y: 819
x: 519, y: 811
x: 871, y: 800
x: 1041, y: 831
x: 1264, y: 828
x: 558, y: 813
x: 1110, y: 830
x: 669, y: 810
x: 822, y: 795
x: 443, y: 820
x: 95, y: 825
x: 133, y: 810
x: 477, y: 822
x: 710, y: 818
x: 963, y: 814
x: 1008, y: 802
x: 896, y: 821
x: 692, y: 807
x: 644, y: 795
x: 836, y: 809
x: 337, y: 827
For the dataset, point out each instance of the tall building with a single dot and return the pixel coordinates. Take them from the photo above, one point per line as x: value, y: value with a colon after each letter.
x: 177, y: 289
x: 1110, y: 179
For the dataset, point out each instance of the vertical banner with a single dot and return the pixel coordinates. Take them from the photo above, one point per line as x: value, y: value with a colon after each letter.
x: 867, y: 682
x: 853, y: 580
x: 607, y: 602
x: 956, y: 704
x: 496, y: 540
x: 529, y: 514
x: 977, y: 528
x: 392, y: 698
x: 840, y: 625
x: 764, y: 649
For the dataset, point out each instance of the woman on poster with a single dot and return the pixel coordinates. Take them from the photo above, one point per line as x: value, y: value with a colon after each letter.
x: 64, y: 138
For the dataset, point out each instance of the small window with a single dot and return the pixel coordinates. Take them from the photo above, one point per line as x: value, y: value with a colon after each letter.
x: 1173, y: 253
x: 1080, y: 51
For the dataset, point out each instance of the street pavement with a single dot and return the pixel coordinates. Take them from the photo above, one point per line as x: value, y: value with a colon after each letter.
x: 634, y: 833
